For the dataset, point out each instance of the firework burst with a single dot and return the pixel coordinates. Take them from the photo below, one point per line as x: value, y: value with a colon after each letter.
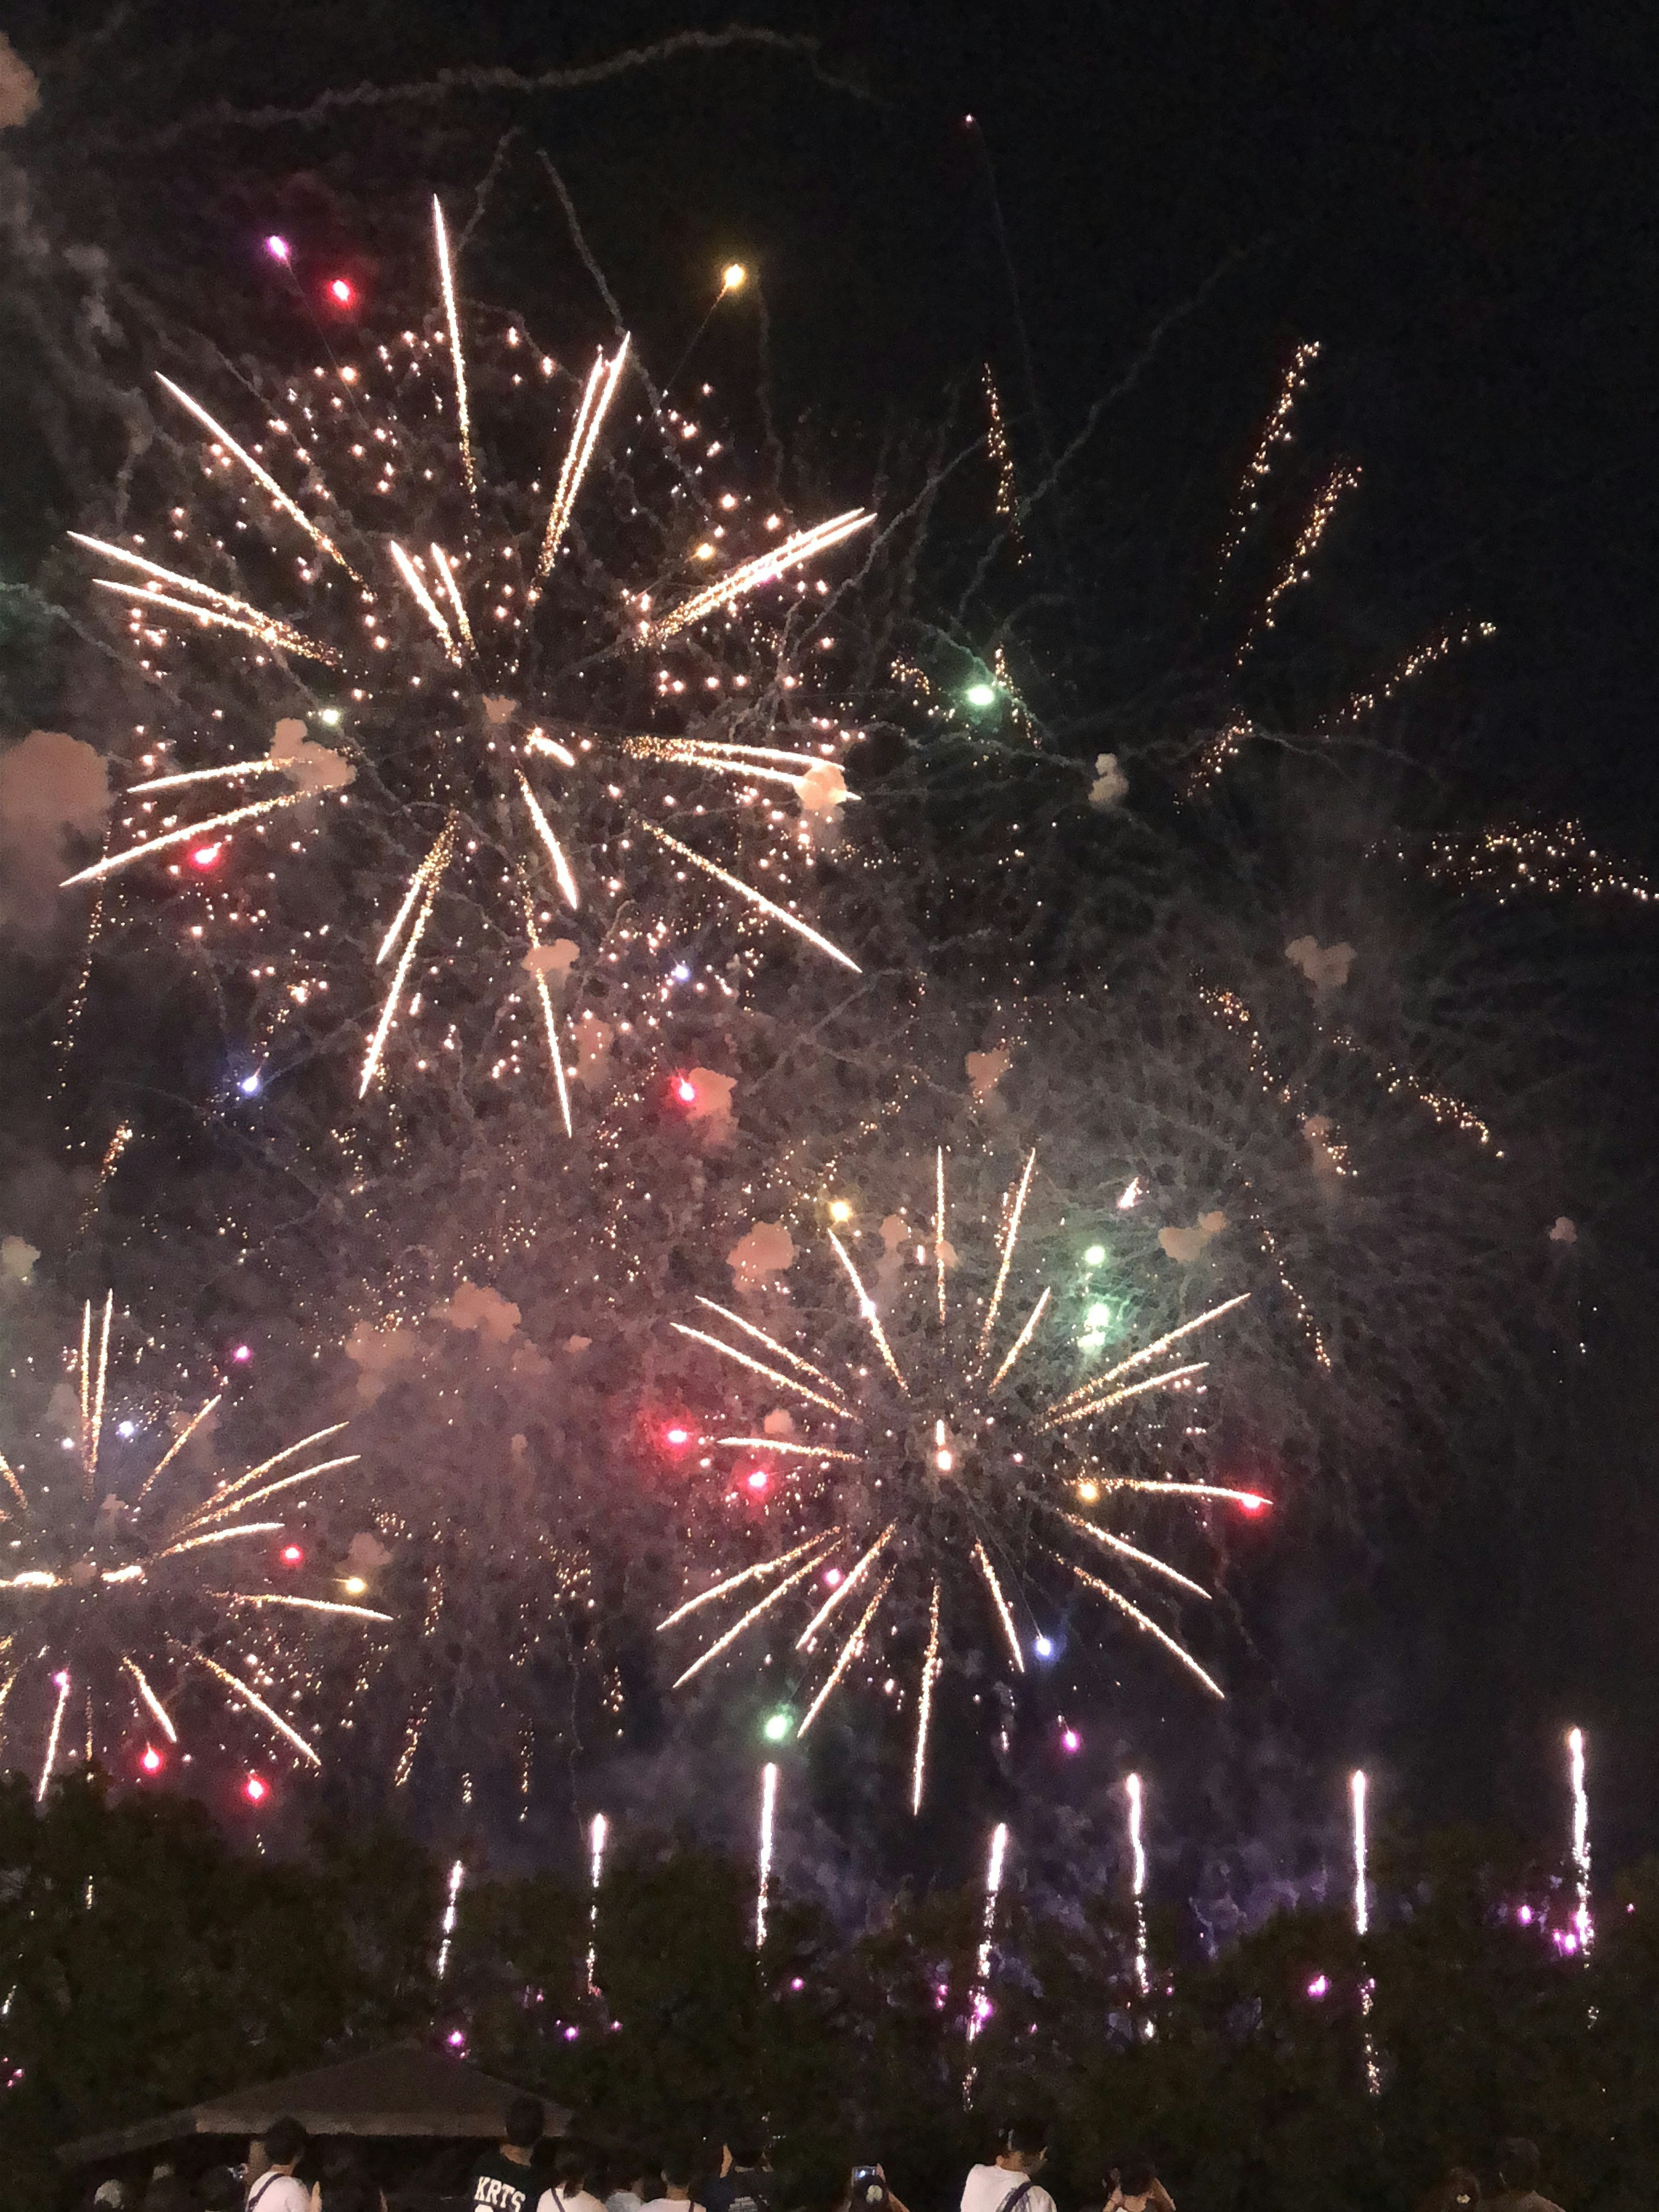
x: 129, y: 1573
x: 922, y: 1473
x: 519, y: 712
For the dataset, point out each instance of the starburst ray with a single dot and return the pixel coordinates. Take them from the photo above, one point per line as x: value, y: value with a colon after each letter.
x: 849, y: 1582
x: 302, y: 1604
x: 251, y: 1698
x: 1170, y: 1375
x: 938, y: 1231
x: 52, y: 1734
x: 423, y: 598
x: 556, y: 852
x: 228, y: 1490
x: 756, y: 898
x: 151, y: 846
x: 235, y: 769
x: 600, y: 390
x: 1128, y: 1550
x: 177, y: 1446
x: 982, y: 1560
x: 765, y: 568
x: 1152, y: 1351
x: 405, y: 961
x: 457, y: 355
x: 737, y: 1581
x: 1144, y: 1621
x: 441, y: 560
x: 1166, y: 1489
x: 1019, y: 1343
x: 208, y: 1514
x: 86, y: 1381
x: 254, y: 621
x: 868, y: 1310
x: 9, y: 1476
x: 264, y: 627
x: 793, y: 1451
x: 749, y: 1618
x: 849, y: 1651
x: 433, y: 864
x: 219, y: 1536
x: 320, y: 538
x: 925, y: 1703
x: 545, y: 998
x: 759, y: 1367
x: 795, y: 1358
x: 163, y: 1718
x: 1008, y: 1243
x: 95, y: 1432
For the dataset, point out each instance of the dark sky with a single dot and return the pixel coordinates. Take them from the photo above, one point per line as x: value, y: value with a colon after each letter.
x: 1459, y: 202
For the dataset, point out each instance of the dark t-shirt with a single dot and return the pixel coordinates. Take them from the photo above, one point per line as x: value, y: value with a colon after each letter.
x: 738, y: 2193
x: 501, y: 2184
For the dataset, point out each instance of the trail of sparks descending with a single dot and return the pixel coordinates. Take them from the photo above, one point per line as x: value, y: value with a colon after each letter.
x: 737, y: 1581
x: 236, y: 614
x: 1153, y: 1350
x: 756, y: 898
x: 400, y: 975
x: 545, y: 999
x: 452, y: 1907
x: 795, y: 1359
x: 763, y: 1881
x: 1138, y: 1883
x: 262, y: 477
x: 982, y: 1560
x: 1128, y: 1550
x: 979, y: 2004
x: 1343, y: 478
x: 1020, y: 1342
x: 765, y: 568
x: 1008, y: 1244
x: 156, y: 1707
x: 938, y: 1233
x: 600, y: 390
x: 597, y: 1834
x: 1144, y: 1621
x: 1061, y: 1420
x: 867, y: 1308
x: 759, y: 1367
x: 754, y: 1613
x: 252, y: 1699
x: 151, y: 846
x: 457, y: 355
x: 51, y: 1758
x: 1583, y: 1925
x: 849, y: 1651
x: 1362, y: 1922
x: 423, y: 598
x: 849, y: 1582
x: 925, y: 1701
x: 1275, y: 432
x: 562, y: 869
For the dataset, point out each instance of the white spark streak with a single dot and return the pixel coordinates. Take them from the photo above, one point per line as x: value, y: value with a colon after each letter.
x: 938, y: 1230
x: 1020, y: 1342
x: 752, y: 1616
x: 1581, y: 1839
x: 428, y: 606
x: 1129, y: 1551
x: 302, y: 1604
x: 983, y: 1559
x: 210, y: 775
x: 252, y: 1699
x: 151, y: 846
x: 259, y: 623
x: 765, y: 568
x: 221, y: 1536
x: 51, y: 1759
x: 372, y: 1059
x: 1008, y: 1243
x: 1143, y: 1620
x: 548, y: 1022
x: 1147, y: 1351
x: 853, y: 1644
x: 925, y: 1704
x: 318, y: 538
x: 737, y: 1581
x: 768, y: 1814
x: 756, y: 898
x: 759, y: 1367
x: 457, y: 357
x: 795, y: 1358
x: 1138, y: 1883
x: 799, y: 1451
x: 455, y: 599
x: 867, y: 1309
x: 979, y: 2002
x: 266, y: 629
x: 451, y: 1906
x: 600, y: 390
x: 150, y: 1698
x: 848, y: 1582
x: 1060, y: 1419
x: 599, y: 1829
x: 545, y: 831
x: 216, y: 1510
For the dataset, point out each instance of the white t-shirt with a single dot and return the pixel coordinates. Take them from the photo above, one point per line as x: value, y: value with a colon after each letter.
x: 988, y: 2187
x: 668, y: 2204
x: 559, y: 2200
x: 278, y: 2192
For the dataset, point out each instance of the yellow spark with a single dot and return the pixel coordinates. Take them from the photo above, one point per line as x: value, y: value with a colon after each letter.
x: 758, y: 1367
x: 853, y: 1644
x: 209, y: 774
x: 251, y: 1697
x: 765, y: 568
x: 435, y: 861
x: 221, y: 1536
x: 455, y: 599
x: 17, y: 1489
x: 1020, y: 1342
x: 733, y: 277
x: 227, y: 1490
x: 305, y: 1604
x: 938, y: 1231
x: 600, y: 390
x: 266, y: 629
x: 867, y: 1308
x: 539, y: 742
x: 552, y: 1026
x: 1130, y: 1552
x: 747, y: 890
x: 457, y: 359
x: 86, y: 1379
x: 1063, y: 1419
x: 555, y: 851
x: 983, y: 1559
x: 96, y: 1435
x: 318, y: 538
x: 406, y: 959
x: 1142, y: 1620
x: 51, y: 1759
x: 153, y: 845
x: 434, y: 613
x: 748, y: 1619
x: 150, y: 1698
x: 1342, y: 478
x: 1166, y: 1489
x: 1008, y: 1243
x: 799, y: 1451
x: 255, y: 622
x: 925, y: 1707
x: 1152, y: 1350
x: 783, y: 1351
x: 737, y: 1581
x: 201, y: 1519
x: 848, y: 1582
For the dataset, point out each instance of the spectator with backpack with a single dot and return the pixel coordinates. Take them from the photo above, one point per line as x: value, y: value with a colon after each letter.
x: 1010, y: 2186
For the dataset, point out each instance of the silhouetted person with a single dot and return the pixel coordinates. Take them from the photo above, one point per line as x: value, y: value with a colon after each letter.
x: 746, y: 2181
x: 1459, y: 2192
x: 1136, y: 2188
x: 1518, y: 2178
x: 501, y: 2180
x: 570, y: 2191
x: 276, y: 2191
x: 1010, y: 2186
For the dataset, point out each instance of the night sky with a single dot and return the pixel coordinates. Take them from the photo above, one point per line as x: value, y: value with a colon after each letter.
x: 1460, y: 203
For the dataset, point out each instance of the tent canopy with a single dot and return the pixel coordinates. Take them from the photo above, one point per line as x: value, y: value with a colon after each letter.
x: 406, y: 2091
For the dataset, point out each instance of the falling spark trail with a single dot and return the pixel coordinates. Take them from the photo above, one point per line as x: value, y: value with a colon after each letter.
x: 303, y: 1604
x: 938, y: 1231
x: 219, y: 1536
x: 457, y: 358
x: 51, y: 1759
x: 1152, y: 1351
x: 150, y: 1698
x: 848, y: 1582
x: 210, y: 1513
x: 1361, y: 1920
x: 561, y: 867
x: 452, y: 1901
x: 183, y: 1438
x: 1129, y: 1551
x: 584, y: 439
x: 759, y: 1367
x: 151, y: 846
x: 1020, y: 1343
x: 406, y: 960
x: 1138, y: 1883
x: 12, y: 1483
x: 1167, y: 1489
x: 979, y: 2004
x: 737, y: 1581
x: 423, y: 598
x: 752, y: 1616
x: 96, y: 1432
x: 1581, y: 1922
x: 268, y: 632
x: 1061, y: 1420
x: 433, y: 863
x: 867, y: 1309
x: 849, y: 1650
x: 548, y: 1020
x: 257, y: 623
x: 925, y: 1706
x: 765, y: 568
x: 756, y: 898
x: 783, y: 1351
x: 228, y: 1490
x: 796, y: 1451
x: 596, y: 1836
x: 983, y: 1558
x: 1008, y: 1243
x: 1143, y: 1620
x: 323, y: 543
x: 252, y: 1699
x: 763, y: 1884
x: 455, y: 599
